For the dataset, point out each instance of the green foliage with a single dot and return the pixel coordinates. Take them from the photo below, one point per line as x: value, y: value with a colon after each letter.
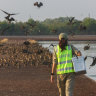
x: 49, y: 27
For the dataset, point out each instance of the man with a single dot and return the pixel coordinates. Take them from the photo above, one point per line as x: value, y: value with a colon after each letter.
x: 62, y: 61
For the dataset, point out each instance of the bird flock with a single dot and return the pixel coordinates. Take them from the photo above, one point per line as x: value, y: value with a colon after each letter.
x: 9, y: 18
x: 17, y: 55
x: 87, y: 47
x: 71, y: 21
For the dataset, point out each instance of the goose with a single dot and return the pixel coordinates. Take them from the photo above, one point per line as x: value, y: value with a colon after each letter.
x: 87, y: 47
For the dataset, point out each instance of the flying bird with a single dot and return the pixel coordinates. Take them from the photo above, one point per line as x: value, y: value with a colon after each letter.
x: 52, y: 45
x: 71, y: 21
x: 82, y: 27
x: 32, y: 25
x: 38, y: 4
x: 8, y: 18
x: 94, y: 61
x: 87, y: 47
x: 85, y: 58
x: 11, y: 19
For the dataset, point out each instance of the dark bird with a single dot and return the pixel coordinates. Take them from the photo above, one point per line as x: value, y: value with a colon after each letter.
x: 11, y: 19
x: 38, y: 4
x: 2, y: 32
x: 85, y: 58
x: 32, y: 25
x: 26, y: 43
x: 23, y: 27
x: 72, y: 33
x: 87, y: 47
x: 39, y: 51
x: 54, y: 31
x: 94, y: 61
x: 82, y: 27
x: 52, y: 45
x: 8, y: 18
x: 71, y: 21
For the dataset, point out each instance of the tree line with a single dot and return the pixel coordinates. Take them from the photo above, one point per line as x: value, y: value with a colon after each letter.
x: 49, y: 26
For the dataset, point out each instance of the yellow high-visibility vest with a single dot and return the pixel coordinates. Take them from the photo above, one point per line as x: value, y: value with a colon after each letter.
x: 64, y: 60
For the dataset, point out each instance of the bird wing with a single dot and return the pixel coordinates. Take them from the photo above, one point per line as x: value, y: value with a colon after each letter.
x: 85, y: 58
x: 94, y: 62
x: 72, y: 18
x: 36, y: 3
x: 14, y: 14
x: 41, y: 4
x: 9, y: 13
x: 5, y: 12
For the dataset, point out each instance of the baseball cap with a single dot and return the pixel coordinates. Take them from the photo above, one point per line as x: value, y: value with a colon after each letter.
x: 63, y: 35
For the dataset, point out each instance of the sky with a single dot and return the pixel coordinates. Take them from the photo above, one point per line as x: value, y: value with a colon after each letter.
x: 50, y: 9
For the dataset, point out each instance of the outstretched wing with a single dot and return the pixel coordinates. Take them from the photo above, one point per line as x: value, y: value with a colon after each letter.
x: 9, y: 13
x: 40, y: 4
x: 14, y: 14
x: 94, y: 62
x: 70, y: 20
x: 5, y: 12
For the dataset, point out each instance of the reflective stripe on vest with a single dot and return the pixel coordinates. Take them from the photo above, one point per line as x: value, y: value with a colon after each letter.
x: 64, y: 60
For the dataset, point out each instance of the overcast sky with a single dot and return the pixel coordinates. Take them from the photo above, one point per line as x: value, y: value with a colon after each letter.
x: 50, y: 9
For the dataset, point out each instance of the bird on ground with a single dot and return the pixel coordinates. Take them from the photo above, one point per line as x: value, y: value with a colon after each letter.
x: 38, y: 4
x: 26, y: 43
x: 39, y: 51
x: 87, y: 47
x: 52, y: 45
x: 8, y: 18
x: 94, y: 61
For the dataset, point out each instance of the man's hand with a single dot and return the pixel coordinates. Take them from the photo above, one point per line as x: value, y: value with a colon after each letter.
x: 79, y: 53
x: 52, y: 78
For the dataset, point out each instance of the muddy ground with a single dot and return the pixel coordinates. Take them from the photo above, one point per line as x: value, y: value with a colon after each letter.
x: 35, y: 81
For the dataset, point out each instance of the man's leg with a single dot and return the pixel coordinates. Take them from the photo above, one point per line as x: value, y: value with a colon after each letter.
x: 70, y: 84
x: 61, y: 84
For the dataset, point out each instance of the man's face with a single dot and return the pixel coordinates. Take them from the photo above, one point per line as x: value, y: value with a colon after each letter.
x: 63, y: 40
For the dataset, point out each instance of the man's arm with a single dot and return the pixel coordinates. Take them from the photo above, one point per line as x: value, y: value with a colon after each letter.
x: 53, y: 66
x: 75, y: 51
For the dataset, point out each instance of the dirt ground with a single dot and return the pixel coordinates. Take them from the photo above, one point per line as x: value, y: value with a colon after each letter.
x: 35, y: 81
